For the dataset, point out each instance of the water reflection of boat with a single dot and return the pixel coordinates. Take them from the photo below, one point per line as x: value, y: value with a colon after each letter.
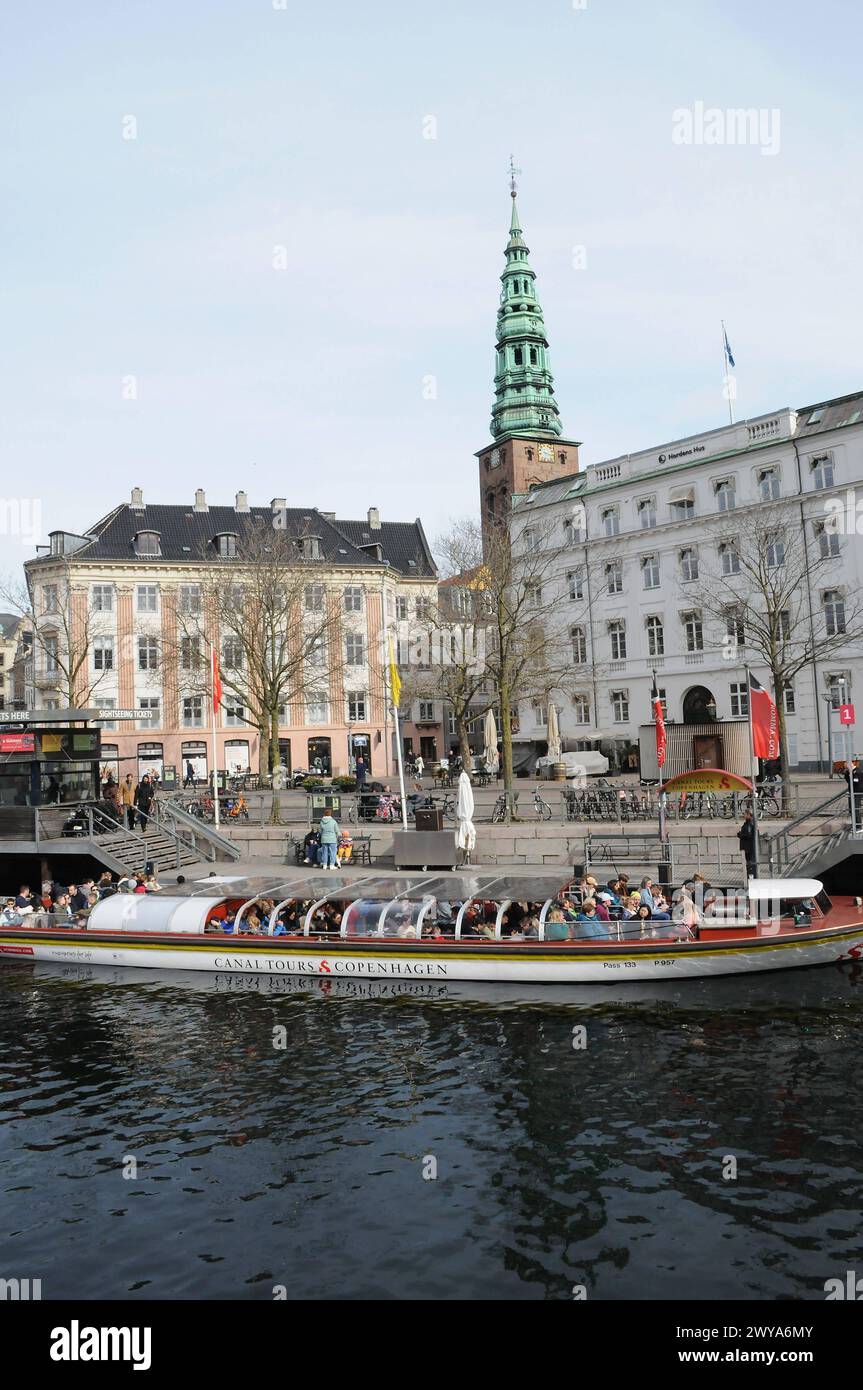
x: 807, y: 989
x: 480, y: 926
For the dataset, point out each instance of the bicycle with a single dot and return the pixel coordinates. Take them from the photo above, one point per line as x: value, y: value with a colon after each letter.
x: 540, y: 806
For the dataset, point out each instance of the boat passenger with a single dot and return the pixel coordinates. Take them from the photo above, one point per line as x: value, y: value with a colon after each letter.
x: 602, y: 912
x: 79, y: 922
x: 531, y: 929
x: 11, y: 916
x: 556, y: 926
x: 24, y: 901
x: 230, y: 922
x: 589, y: 924
x: 652, y: 900
x: 645, y: 921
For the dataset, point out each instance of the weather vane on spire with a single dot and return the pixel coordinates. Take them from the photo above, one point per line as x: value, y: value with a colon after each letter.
x: 512, y: 173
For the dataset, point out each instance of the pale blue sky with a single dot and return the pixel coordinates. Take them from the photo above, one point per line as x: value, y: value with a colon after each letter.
x: 303, y: 127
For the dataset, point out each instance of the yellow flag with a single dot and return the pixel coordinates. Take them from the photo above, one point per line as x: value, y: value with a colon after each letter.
x: 395, y: 678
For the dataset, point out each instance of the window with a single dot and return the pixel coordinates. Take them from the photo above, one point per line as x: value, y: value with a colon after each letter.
x: 734, y: 627
x: 614, y: 576
x: 784, y: 624
x: 232, y: 654
x: 693, y: 632
x: 148, y: 654
x: 148, y: 543
x: 314, y: 598
x: 768, y: 484
x: 688, y: 565
x: 103, y: 598
x: 189, y: 598
x: 822, y: 471
x: 739, y: 700
x: 650, y: 571
x: 401, y: 608
x: 620, y: 705
x: 647, y: 513
x: 353, y: 599
x: 834, y: 612
x: 573, y: 530
x: 838, y: 686
x: 663, y: 702
x: 729, y: 557
x: 50, y: 647
x: 317, y: 708
x: 235, y: 599
x: 788, y: 698
x: 682, y: 509
x: 227, y: 544
x: 426, y: 712
x: 579, y: 645
x: 149, y: 702
x: 190, y: 653
x: 575, y: 583
x: 533, y: 593
x: 147, y: 598
x: 193, y: 712
x: 355, y: 653
x: 103, y: 653
x: 235, y: 714
x: 775, y: 550
x: 581, y: 709
x: 610, y: 521
x: 316, y: 653
x: 403, y: 651
x: 655, y: 637
x: 528, y: 539
x: 423, y: 609
x: 105, y: 703
x: 828, y: 541
x: 49, y: 599
x: 357, y: 706
x: 617, y: 633
x: 540, y: 713
x: 725, y: 491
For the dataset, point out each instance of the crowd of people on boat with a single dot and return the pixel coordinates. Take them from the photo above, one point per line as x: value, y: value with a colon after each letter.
x: 69, y: 905
x: 584, y: 911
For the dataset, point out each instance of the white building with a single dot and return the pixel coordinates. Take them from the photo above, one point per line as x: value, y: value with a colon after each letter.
x: 634, y: 538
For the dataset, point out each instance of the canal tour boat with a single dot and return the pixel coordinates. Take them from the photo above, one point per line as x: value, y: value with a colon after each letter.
x: 476, y: 926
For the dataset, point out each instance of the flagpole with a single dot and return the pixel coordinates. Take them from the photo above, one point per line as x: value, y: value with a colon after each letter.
x: 725, y: 372
x: 215, y: 755
x: 755, y: 844
x: 395, y: 696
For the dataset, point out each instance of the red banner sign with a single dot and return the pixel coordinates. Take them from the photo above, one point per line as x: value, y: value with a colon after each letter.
x: 846, y: 714
x: 17, y: 743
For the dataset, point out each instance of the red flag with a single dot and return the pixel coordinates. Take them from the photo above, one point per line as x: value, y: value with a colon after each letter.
x: 217, y: 682
x: 765, y: 720
x: 659, y: 722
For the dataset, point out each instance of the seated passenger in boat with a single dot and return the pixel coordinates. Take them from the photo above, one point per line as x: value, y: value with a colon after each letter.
x: 10, y: 915
x: 556, y: 926
x: 652, y: 899
x: 602, y: 912
x: 685, y: 917
x: 588, y: 924
x: 229, y: 922
x: 531, y: 929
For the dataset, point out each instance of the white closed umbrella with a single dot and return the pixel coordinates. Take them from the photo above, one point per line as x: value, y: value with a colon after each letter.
x: 466, y: 834
x: 553, y: 734
x: 489, y: 752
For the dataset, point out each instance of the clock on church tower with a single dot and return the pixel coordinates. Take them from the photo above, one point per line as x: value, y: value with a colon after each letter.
x: 528, y: 445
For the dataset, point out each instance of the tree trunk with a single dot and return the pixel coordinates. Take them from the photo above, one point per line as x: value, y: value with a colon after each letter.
x: 464, y: 743
x: 276, y: 812
x: 506, y: 740
x: 264, y: 754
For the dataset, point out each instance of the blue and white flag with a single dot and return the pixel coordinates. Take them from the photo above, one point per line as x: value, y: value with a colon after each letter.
x: 727, y: 348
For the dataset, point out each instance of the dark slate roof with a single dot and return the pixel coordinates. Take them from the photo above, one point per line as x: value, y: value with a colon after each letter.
x: 403, y: 544
x: 830, y: 415
x: 186, y: 535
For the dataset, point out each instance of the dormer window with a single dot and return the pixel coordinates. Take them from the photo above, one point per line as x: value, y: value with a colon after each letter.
x: 310, y: 547
x: 226, y: 544
x: 148, y: 543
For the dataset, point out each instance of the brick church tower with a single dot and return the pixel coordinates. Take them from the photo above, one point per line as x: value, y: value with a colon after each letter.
x: 528, y: 445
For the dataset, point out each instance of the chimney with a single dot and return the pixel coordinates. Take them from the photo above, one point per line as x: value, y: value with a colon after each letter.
x: 137, y: 499
x: 241, y: 502
x: 279, y: 504
x: 374, y: 519
x: 200, y: 500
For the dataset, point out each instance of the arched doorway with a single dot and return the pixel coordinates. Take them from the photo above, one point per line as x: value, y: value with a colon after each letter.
x: 320, y: 759
x: 699, y: 706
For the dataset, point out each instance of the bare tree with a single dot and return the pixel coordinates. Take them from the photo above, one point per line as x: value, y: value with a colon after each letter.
x: 773, y: 589
x: 68, y: 658
x: 275, y: 623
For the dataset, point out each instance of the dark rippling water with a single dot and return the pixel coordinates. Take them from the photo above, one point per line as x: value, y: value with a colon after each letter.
x: 303, y: 1167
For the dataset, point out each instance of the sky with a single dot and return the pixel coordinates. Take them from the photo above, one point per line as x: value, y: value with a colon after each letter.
x: 255, y: 244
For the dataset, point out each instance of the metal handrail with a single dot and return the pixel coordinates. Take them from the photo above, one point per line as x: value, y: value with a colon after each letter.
x: 777, y: 846
x: 181, y: 816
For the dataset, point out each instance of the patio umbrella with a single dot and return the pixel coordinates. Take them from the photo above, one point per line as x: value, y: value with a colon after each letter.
x: 553, y: 734
x: 466, y: 834
x: 489, y: 752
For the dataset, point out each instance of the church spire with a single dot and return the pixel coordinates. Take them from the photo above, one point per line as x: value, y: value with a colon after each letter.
x: 523, y: 385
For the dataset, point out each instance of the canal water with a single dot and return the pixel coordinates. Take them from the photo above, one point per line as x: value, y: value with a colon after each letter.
x: 171, y: 1136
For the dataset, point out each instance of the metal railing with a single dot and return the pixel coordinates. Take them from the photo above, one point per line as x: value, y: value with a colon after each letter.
x: 779, y: 849
x: 175, y: 820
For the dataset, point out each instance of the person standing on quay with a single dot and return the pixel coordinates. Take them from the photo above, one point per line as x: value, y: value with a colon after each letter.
x: 330, y: 832
x: 127, y: 799
x: 746, y: 841
x: 144, y: 800
x: 360, y: 772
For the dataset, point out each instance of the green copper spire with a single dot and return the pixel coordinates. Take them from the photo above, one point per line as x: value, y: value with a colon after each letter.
x: 523, y: 385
